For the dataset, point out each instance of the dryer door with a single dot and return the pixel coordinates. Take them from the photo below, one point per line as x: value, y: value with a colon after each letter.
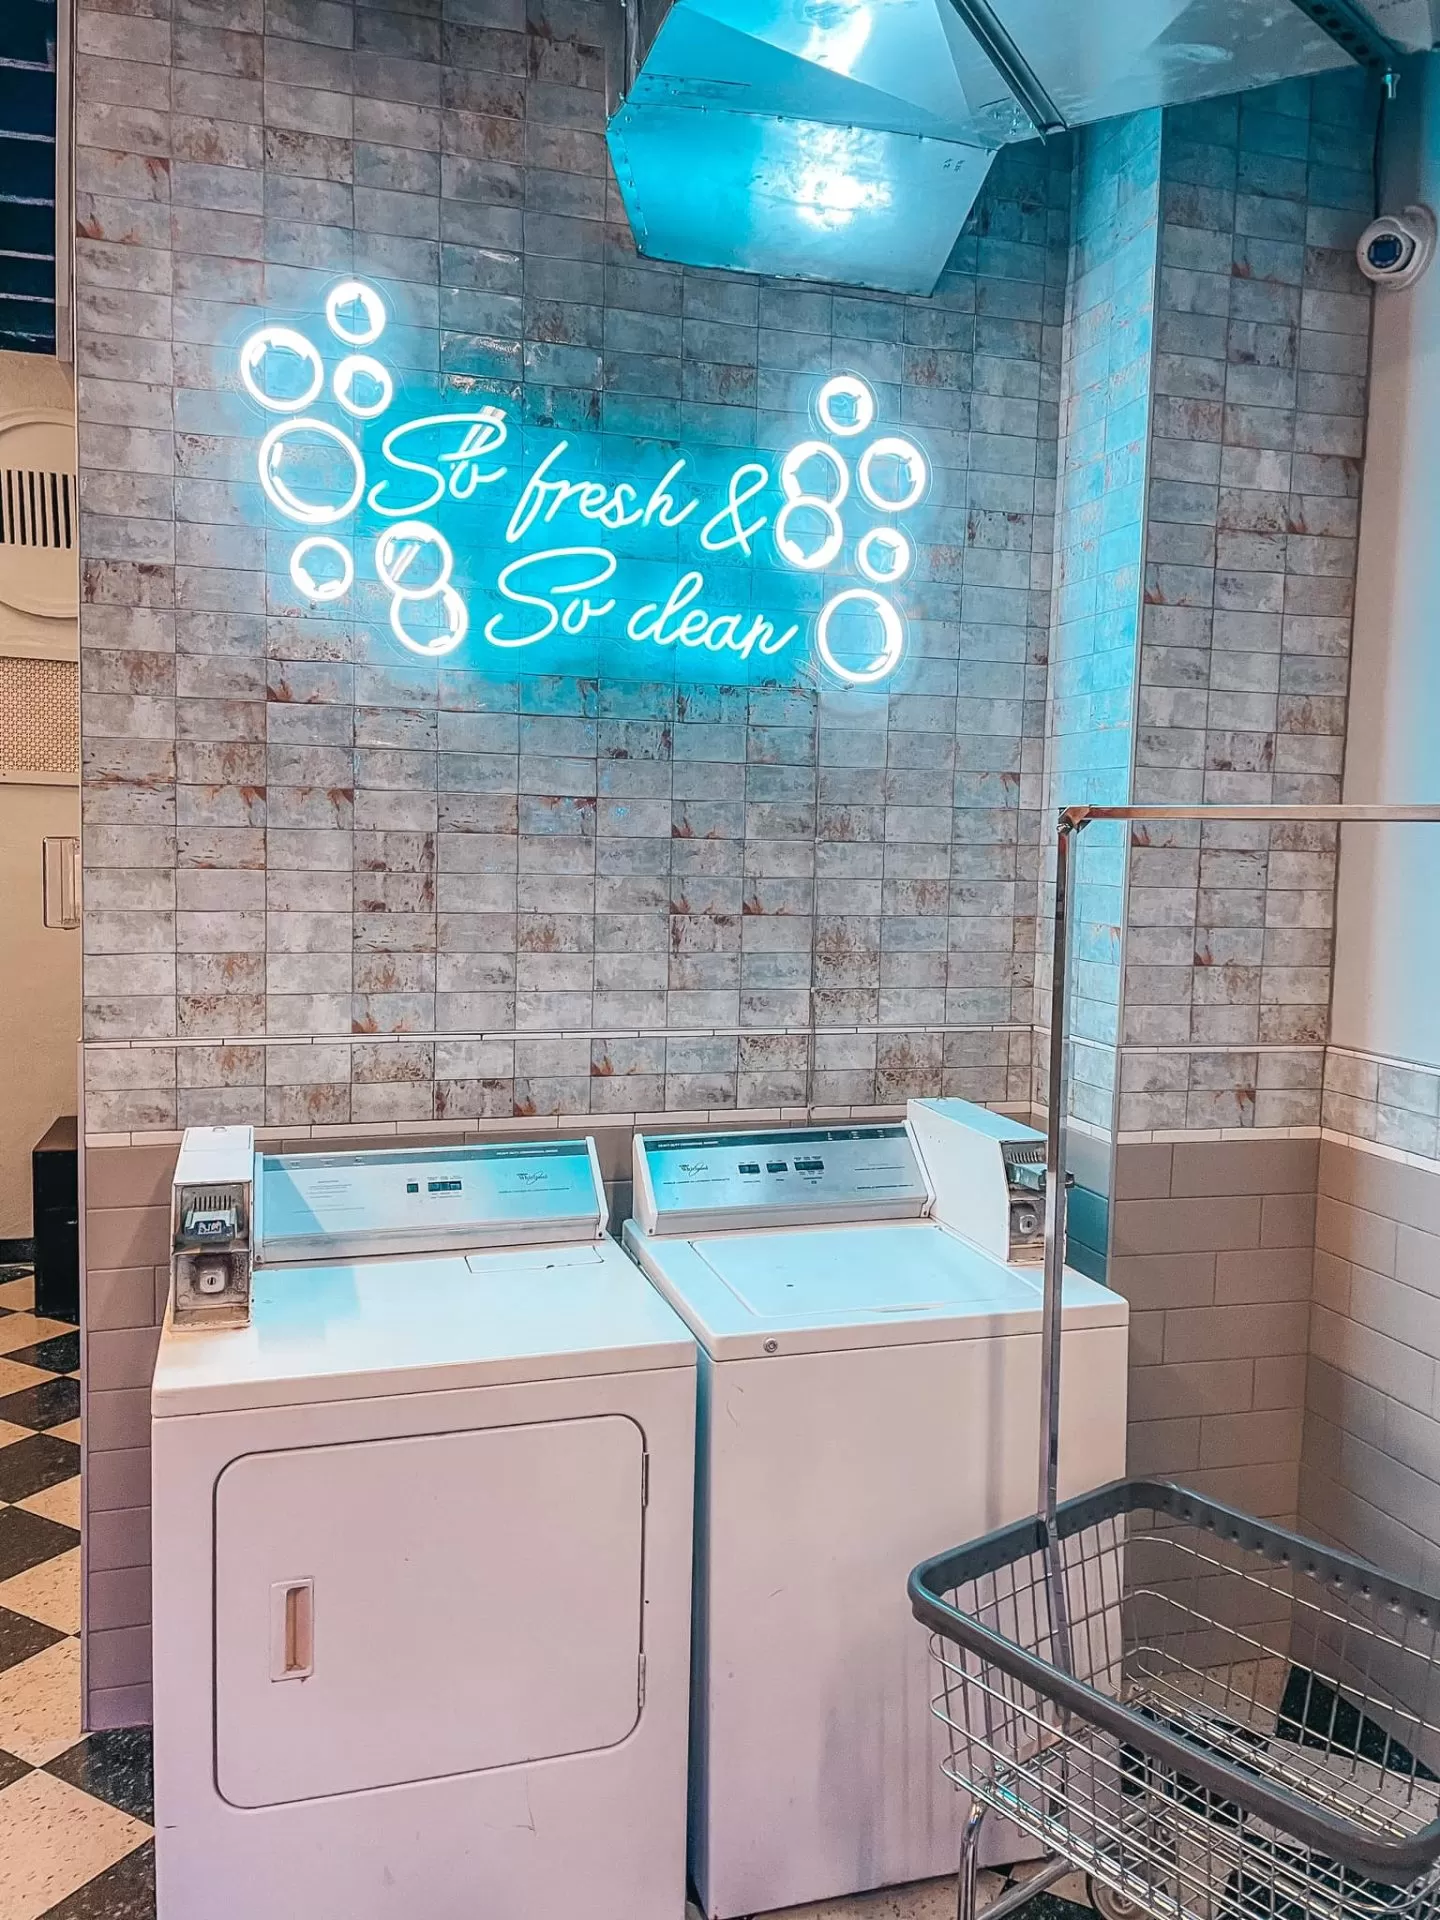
x: 399, y: 1609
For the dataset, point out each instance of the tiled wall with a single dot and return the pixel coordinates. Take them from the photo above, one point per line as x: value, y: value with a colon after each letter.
x: 1212, y: 1244
x: 126, y: 1229
x: 1371, y: 1480
x: 566, y: 895
x: 1095, y: 619
x: 1259, y: 423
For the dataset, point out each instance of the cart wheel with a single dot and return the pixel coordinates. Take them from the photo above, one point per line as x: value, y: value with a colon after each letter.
x: 1109, y: 1904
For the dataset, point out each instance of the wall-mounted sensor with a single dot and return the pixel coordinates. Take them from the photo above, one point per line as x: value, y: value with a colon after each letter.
x: 1396, y: 249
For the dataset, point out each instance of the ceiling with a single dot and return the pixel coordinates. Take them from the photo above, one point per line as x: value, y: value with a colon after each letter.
x: 1410, y: 23
x: 27, y: 155
x: 27, y: 175
x: 847, y: 140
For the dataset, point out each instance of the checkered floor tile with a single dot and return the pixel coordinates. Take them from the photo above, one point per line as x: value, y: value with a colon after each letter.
x: 75, y: 1809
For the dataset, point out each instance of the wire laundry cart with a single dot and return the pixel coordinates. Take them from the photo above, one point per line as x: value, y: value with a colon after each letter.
x: 1212, y: 1717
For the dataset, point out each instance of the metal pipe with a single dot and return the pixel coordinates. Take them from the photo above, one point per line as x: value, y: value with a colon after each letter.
x: 1378, y: 815
x: 1056, y: 1094
x: 967, y: 1881
x: 1011, y: 65
x: 1025, y: 1891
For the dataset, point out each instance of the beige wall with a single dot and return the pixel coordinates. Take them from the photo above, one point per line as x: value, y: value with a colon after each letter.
x: 39, y: 993
x: 39, y: 967
x: 1371, y: 1479
x: 1388, y: 912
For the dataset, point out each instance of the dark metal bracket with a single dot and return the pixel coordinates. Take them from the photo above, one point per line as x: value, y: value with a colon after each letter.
x: 1350, y: 27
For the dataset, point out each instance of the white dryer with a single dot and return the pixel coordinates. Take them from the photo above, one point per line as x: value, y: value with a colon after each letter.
x: 422, y: 1539
x: 869, y: 1392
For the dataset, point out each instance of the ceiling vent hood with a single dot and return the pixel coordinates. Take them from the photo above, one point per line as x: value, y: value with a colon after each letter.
x: 847, y: 140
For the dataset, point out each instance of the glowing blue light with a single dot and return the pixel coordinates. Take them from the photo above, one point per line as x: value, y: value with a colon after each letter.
x: 894, y: 555
x: 330, y: 587
x: 568, y: 592
x: 843, y: 172
x: 891, y: 626
x: 269, y: 340
x: 310, y: 513
x: 852, y: 392
x: 799, y: 456
x: 890, y: 447
x: 360, y: 366
x: 354, y: 293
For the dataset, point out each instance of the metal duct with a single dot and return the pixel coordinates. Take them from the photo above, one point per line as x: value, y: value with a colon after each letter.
x: 847, y: 140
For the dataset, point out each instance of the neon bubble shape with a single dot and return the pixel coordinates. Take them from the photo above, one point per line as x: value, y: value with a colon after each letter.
x: 900, y: 552
x: 892, y: 626
x: 354, y: 293
x: 790, y: 548
x: 357, y: 366
x: 395, y: 551
x: 846, y: 386
x: 798, y: 456
x: 332, y: 589
x: 279, y: 340
x: 891, y: 447
x: 309, y: 513
x: 457, y: 624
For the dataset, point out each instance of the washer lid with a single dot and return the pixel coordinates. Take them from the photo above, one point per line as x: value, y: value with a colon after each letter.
x: 384, y: 1327
x: 808, y: 1289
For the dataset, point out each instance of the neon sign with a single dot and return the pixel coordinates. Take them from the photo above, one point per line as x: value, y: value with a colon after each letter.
x: 732, y: 565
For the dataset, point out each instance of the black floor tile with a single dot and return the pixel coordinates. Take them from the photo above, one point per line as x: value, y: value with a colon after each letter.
x: 38, y: 1461
x: 12, y: 1770
x: 20, y: 1636
x: 49, y: 1403
x: 125, y: 1891
x: 114, y: 1766
x: 26, y: 1539
x: 59, y: 1354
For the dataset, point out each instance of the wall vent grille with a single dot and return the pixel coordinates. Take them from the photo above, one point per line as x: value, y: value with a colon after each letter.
x: 39, y: 718
x: 36, y: 509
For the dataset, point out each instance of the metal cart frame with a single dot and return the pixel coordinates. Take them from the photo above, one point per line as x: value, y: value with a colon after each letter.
x: 1073, y: 821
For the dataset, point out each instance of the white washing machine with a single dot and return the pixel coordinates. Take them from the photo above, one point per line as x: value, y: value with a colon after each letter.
x: 869, y: 1394
x: 422, y: 1550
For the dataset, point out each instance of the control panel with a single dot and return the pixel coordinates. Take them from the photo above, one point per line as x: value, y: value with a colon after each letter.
x: 340, y: 1206
x: 687, y: 1183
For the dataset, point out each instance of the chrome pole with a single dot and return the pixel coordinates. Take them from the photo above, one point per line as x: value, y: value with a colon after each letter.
x: 1056, y: 1094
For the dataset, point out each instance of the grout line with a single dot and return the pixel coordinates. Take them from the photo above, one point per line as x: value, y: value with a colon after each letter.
x: 491, y: 1036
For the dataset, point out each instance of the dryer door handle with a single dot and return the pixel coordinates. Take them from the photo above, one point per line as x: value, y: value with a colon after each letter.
x: 292, y: 1630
